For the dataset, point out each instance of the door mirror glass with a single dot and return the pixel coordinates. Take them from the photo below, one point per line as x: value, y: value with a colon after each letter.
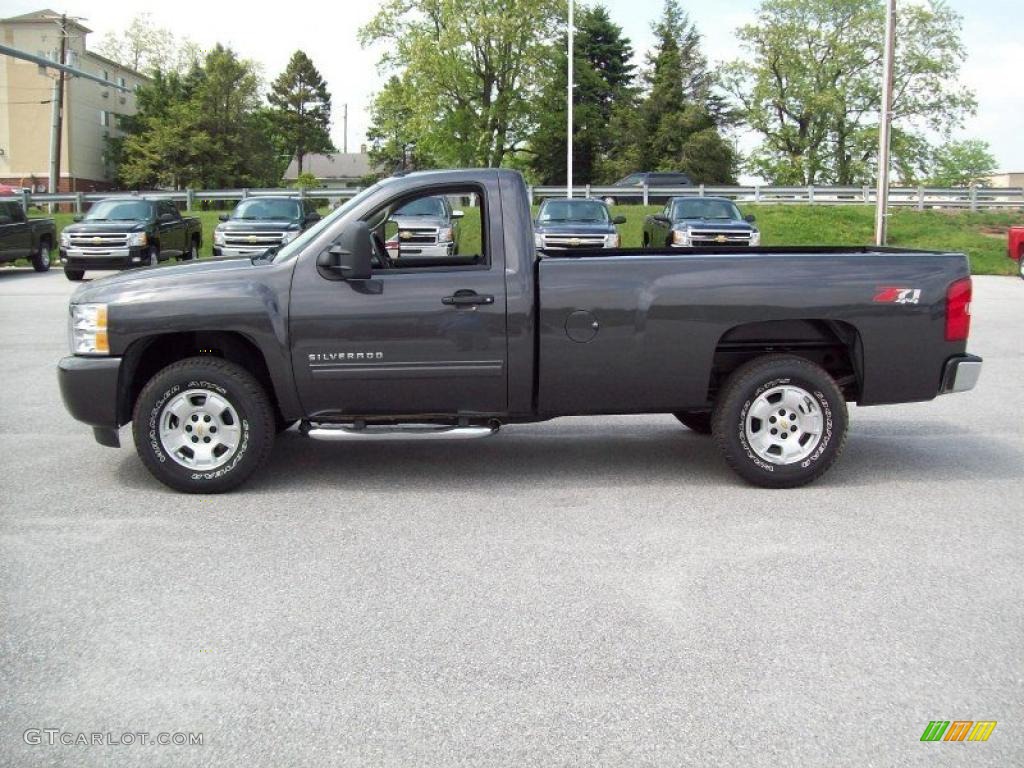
x: 620, y: 219
x: 750, y: 218
x: 223, y: 217
x: 77, y: 219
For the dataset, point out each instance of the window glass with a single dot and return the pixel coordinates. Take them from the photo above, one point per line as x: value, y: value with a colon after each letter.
x: 700, y: 208
x: 592, y: 211
x: 430, y: 231
x: 267, y: 209
x: 120, y: 210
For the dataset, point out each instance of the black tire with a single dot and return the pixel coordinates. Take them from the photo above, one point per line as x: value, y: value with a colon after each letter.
x: 41, y: 258
x: 647, y: 241
x: 74, y: 274
x: 741, y: 390
x: 255, y: 418
x: 696, y: 421
x: 153, y: 257
x: 192, y: 254
x: 1020, y: 263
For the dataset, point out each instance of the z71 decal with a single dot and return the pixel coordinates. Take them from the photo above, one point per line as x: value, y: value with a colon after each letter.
x: 890, y: 295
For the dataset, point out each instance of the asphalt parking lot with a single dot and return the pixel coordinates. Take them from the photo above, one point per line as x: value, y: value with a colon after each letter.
x: 597, y: 591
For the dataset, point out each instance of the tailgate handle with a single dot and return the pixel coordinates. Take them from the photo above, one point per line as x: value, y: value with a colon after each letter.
x: 467, y: 298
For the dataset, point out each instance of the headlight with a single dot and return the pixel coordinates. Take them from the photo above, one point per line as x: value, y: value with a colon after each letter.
x: 612, y: 241
x: 218, y: 236
x: 287, y: 237
x: 65, y: 239
x: 89, y: 329
x: 137, y: 238
x: 680, y: 237
x: 755, y: 238
x: 538, y: 240
x: 445, y: 235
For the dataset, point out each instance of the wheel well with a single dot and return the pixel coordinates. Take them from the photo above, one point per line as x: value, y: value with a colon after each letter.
x: 147, y: 357
x: 832, y: 344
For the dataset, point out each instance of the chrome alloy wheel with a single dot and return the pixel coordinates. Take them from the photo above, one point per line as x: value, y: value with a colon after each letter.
x: 200, y: 429
x: 784, y: 425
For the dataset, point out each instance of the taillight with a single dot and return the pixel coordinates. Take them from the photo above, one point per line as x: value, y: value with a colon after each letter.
x: 958, y: 310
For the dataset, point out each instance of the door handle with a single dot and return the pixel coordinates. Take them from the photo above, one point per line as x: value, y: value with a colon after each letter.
x: 467, y: 298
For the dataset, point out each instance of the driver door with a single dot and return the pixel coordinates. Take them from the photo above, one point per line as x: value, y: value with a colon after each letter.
x: 412, y: 341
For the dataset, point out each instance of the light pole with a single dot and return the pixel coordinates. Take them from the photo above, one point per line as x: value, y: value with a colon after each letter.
x: 568, y: 144
x: 885, y: 125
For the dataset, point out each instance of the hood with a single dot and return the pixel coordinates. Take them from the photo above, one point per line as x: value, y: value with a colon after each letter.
x: 412, y: 222
x: 132, y: 225
x: 718, y: 226
x: 574, y: 228
x: 257, y: 225
x: 136, y: 284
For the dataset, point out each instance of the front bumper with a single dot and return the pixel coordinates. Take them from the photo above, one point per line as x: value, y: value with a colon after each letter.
x: 960, y: 374
x: 111, y: 258
x: 89, y: 387
x: 228, y: 252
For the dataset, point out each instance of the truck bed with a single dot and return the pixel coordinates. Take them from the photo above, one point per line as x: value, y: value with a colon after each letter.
x: 662, y: 315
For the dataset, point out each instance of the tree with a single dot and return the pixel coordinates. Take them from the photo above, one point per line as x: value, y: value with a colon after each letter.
x: 205, y: 128
x: 302, y: 108
x: 962, y: 163
x: 810, y: 87
x: 391, y: 137
x: 602, y: 78
x: 470, y: 70
x: 145, y: 47
x: 681, y: 116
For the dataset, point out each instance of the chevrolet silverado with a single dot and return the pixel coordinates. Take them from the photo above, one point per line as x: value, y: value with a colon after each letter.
x: 763, y: 347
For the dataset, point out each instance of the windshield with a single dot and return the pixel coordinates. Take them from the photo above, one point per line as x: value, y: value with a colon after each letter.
x: 295, y: 246
x: 423, y: 206
x: 120, y: 210
x: 267, y: 209
x: 591, y: 211
x: 705, y: 209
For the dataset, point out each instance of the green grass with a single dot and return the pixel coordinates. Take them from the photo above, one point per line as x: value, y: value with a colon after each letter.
x: 982, y: 236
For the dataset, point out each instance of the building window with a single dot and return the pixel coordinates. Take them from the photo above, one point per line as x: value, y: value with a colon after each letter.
x: 120, y: 81
x: 104, y: 118
x: 106, y: 75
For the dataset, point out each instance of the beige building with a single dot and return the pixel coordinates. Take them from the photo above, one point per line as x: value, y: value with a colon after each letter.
x: 90, y: 109
x: 1007, y: 179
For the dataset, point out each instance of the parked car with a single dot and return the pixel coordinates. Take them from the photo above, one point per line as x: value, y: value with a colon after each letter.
x: 127, y: 232
x: 260, y: 223
x: 1015, y: 249
x: 696, y: 222
x: 654, y: 182
x: 583, y: 223
x: 426, y: 228
x: 25, y: 238
x: 764, y: 349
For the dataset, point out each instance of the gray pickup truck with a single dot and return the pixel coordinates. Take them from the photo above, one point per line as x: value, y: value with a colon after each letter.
x: 763, y: 347
x: 22, y: 237
x: 425, y: 228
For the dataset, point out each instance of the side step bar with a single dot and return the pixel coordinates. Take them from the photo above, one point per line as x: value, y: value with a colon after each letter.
x: 337, y: 432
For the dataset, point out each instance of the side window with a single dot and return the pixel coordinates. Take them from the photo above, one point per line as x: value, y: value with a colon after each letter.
x: 433, y: 229
x: 167, y: 207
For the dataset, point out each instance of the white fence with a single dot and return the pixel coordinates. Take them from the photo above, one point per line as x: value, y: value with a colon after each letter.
x: 969, y: 198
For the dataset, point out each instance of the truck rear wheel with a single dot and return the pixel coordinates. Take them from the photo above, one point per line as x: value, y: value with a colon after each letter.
x: 41, y: 258
x: 781, y: 421
x: 203, y: 425
x: 696, y: 421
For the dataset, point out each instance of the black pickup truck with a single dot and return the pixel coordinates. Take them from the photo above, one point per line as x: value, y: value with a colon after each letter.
x: 127, y: 232
x: 25, y: 238
x: 692, y: 222
x: 763, y: 347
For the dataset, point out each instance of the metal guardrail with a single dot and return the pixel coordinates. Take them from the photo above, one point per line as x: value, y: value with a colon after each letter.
x: 967, y: 198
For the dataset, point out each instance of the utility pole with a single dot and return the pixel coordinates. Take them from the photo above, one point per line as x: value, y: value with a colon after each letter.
x: 344, y: 144
x: 568, y: 144
x: 59, y: 110
x: 885, y: 125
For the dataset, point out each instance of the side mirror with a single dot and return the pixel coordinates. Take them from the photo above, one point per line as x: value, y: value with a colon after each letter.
x: 620, y: 219
x: 165, y: 217
x: 311, y: 217
x: 457, y: 214
x: 662, y: 218
x: 350, y: 257
x: 223, y: 217
x: 750, y: 218
x: 77, y: 219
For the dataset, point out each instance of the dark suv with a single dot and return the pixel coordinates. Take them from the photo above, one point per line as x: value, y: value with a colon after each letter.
x: 654, y: 181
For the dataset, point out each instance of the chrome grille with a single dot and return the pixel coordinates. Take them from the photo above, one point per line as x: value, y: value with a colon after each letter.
x: 102, y: 241
x: 417, y: 235
x: 706, y: 237
x: 252, y: 239
x: 574, y: 241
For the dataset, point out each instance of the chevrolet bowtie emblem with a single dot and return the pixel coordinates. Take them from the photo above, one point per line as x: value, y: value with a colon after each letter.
x: 405, y: 235
x: 252, y: 238
x: 97, y: 239
x: 574, y: 241
x: 721, y: 239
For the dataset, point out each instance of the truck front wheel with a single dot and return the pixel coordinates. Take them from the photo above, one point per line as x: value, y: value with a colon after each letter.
x: 41, y: 258
x: 203, y: 425
x: 781, y: 421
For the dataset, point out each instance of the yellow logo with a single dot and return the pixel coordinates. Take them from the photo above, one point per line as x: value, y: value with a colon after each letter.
x: 405, y: 235
x: 97, y: 239
x: 575, y: 241
x: 252, y: 238
x: 721, y: 239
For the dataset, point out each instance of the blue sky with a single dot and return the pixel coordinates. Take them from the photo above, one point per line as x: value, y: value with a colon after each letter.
x: 327, y: 32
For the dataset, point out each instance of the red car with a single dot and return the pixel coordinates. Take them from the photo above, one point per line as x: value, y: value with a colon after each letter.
x: 1015, y: 250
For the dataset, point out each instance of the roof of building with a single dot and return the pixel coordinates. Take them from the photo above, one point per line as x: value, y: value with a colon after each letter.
x: 336, y: 165
x: 43, y: 15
